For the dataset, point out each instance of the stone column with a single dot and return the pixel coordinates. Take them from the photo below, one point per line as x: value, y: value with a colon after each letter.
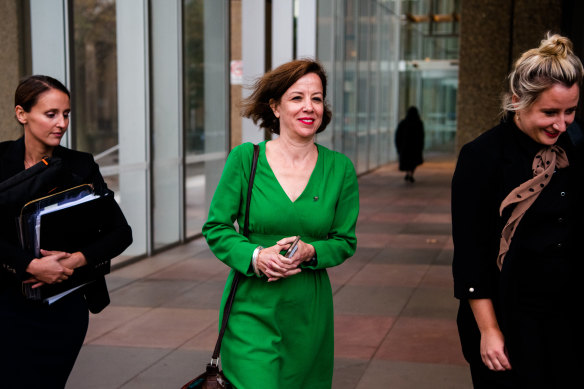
x: 12, y: 63
x: 492, y: 36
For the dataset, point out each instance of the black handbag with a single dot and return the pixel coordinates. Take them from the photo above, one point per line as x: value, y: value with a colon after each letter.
x: 213, y: 377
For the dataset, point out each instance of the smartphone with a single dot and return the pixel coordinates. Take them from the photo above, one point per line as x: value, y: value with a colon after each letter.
x: 293, y: 247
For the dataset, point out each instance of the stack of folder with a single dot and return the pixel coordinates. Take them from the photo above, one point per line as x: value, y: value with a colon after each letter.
x: 65, y: 221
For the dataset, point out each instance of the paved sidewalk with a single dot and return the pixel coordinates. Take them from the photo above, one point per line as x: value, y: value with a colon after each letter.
x: 394, y: 311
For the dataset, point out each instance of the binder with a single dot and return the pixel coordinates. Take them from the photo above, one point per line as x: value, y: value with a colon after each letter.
x: 66, y: 221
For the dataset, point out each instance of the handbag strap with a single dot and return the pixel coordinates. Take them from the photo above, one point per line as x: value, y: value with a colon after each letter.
x: 238, y: 275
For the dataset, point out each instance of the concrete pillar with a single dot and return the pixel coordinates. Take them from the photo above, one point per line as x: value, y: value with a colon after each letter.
x: 492, y: 35
x: 12, y: 63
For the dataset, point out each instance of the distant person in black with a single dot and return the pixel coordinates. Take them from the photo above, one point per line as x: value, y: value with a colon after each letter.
x: 409, y: 141
x: 38, y: 342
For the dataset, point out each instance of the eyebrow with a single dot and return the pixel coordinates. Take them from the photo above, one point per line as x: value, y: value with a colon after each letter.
x: 301, y: 93
x: 558, y: 109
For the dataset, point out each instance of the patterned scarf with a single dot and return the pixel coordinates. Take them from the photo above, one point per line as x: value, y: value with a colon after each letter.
x: 544, y: 164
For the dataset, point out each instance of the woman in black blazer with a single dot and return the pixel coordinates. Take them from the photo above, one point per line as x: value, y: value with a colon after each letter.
x: 517, y: 221
x: 40, y: 342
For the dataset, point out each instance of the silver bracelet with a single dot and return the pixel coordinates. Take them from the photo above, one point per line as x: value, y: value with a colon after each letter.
x: 254, y: 259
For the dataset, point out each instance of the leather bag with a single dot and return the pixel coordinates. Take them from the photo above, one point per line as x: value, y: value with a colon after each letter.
x: 213, y: 377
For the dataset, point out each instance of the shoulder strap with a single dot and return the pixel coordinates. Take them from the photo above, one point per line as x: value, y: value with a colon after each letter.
x: 229, y: 303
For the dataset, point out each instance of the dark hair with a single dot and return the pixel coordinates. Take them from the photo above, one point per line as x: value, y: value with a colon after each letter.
x: 412, y: 114
x: 271, y: 87
x: 30, y: 88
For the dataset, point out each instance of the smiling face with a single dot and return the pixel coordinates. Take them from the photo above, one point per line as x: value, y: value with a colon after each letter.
x: 47, y: 121
x: 550, y: 114
x: 301, y: 107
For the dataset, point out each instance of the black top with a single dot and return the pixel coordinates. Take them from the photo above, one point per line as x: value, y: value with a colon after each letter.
x: 78, y: 168
x: 541, y: 269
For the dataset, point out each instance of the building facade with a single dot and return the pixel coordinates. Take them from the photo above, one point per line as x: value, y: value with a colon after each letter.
x: 156, y: 86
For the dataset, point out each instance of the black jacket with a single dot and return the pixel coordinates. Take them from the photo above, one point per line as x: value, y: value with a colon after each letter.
x: 78, y: 168
x: 488, y: 169
x: 409, y: 142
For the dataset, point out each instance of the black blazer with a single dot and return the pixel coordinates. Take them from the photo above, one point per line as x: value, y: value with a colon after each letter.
x: 488, y: 168
x: 78, y: 168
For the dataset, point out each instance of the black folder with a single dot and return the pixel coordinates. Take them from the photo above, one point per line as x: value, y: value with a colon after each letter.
x: 65, y: 228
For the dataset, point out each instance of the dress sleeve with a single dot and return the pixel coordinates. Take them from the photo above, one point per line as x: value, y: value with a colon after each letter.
x: 342, y: 241
x: 228, y: 245
x: 475, y: 223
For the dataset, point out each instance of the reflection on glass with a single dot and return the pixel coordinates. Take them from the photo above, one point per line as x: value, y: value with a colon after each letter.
x: 94, y: 78
x: 94, y: 85
x: 194, y: 111
x: 205, y: 104
x: 430, y: 79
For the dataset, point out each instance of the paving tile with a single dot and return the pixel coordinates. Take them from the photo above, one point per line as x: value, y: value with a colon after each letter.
x: 438, y: 303
x: 435, y: 218
x: 348, y: 372
x: 160, y: 327
x: 371, y: 300
x: 172, y: 371
x: 417, y: 241
x: 206, y: 295
x: 358, y: 337
x: 438, y: 276
x: 150, y: 292
x: 411, y: 256
x: 404, y: 375
x: 364, y: 254
x: 391, y: 217
x: 100, y: 367
x: 424, y: 340
x: 193, y: 269
x: 111, y: 318
x: 389, y: 275
x: 380, y: 227
x: 372, y: 239
x: 341, y: 274
x: 445, y: 257
x: 427, y: 229
x: 205, y: 339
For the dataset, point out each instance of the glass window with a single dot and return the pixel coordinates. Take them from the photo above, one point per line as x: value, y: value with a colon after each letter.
x: 94, y: 83
x: 350, y: 82
x: 206, y: 104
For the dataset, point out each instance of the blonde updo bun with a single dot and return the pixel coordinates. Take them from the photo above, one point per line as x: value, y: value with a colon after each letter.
x: 555, y: 46
x: 553, y: 62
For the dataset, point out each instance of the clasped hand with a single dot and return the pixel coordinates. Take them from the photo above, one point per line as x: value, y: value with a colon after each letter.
x: 53, y: 267
x: 276, y: 266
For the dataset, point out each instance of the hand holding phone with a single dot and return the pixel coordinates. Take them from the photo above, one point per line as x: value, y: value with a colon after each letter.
x: 293, y: 247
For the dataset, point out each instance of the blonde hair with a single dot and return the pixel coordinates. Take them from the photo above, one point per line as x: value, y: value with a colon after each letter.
x: 553, y: 62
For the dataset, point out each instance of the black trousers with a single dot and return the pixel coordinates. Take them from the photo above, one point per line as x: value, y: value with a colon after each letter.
x: 39, y: 344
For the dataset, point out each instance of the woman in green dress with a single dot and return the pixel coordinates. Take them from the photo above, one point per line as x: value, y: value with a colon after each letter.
x: 281, y: 331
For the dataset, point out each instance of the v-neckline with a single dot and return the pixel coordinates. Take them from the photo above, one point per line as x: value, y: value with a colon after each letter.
x: 308, y: 183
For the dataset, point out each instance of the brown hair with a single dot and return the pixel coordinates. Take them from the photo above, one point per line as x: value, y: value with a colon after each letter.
x: 272, y: 85
x: 538, y: 69
x: 30, y: 88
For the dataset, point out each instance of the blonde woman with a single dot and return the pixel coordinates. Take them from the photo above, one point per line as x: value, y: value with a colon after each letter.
x: 517, y: 221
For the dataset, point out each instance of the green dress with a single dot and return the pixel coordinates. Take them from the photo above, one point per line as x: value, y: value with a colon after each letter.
x: 281, y: 334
